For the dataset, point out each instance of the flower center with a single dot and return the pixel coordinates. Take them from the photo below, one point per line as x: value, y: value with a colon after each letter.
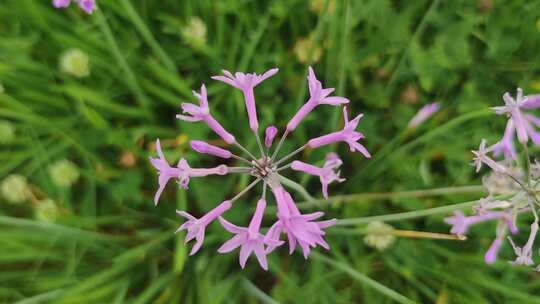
x: 262, y: 168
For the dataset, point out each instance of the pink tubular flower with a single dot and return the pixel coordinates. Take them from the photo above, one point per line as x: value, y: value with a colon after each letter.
x: 327, y: 174
x: 182, y: 172
x: 505, y: 146
x: 206, y: 148
x: 491, y: 255
x: 532, y: 102
x: 318, y: 96
x: 461, y: 223
x: 246, y: 83
x: 480, y: 157
x: 202, y: 113
x: 348, y: 135
x: 86, y: 5
x: 522, y: 122
x: 524, y: 254
x: 196, y: 227
x: 299, y: 228
x: 270, y: 134
x: 423, y: 114
x: 249, y: 239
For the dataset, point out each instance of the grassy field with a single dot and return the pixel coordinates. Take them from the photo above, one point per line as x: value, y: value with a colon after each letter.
x: 84, y: 97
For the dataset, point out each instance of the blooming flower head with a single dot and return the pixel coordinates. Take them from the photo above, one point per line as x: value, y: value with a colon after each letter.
x: 424, y: 114
x: 520, y: 185
x: 302, y: 230
x: 86, y: 5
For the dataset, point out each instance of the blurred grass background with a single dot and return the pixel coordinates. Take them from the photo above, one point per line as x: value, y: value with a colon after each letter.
x: 97, y: 237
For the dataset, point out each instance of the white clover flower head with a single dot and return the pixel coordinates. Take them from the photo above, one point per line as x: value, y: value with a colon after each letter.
x: 64, y: 173
x: 46, y: 211
x: 378, y: 235
x: 194, y: 32
x: 75, y: 62
x: 307, y: 51
x: 15, y: 189
x: 7, y: 131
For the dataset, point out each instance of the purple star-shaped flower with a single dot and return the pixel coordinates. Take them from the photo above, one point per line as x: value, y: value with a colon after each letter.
x: 327, y: 174
x: 318, y: 96
x: 246, y: 82
x: 348, y: 135
x: 249, y: 239
x: 196, y: 227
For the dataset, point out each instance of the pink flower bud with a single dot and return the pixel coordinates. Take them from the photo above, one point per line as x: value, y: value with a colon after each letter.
x: 270, y: 133
x: 206, y: 148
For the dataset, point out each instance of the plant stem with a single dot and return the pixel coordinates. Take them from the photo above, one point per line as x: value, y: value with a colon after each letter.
x: 263, y: 155
x: 246, y: 151
x: 297, y: 187
x: 281, y: 140
x: 388, y: 195
x: 291, y: 154
x: 409, y: 214
x: 362, y: 278
x: 255, y: 182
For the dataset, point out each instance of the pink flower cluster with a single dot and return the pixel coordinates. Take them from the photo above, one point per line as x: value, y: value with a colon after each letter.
x: 303, y: 230
x: 525, y: 200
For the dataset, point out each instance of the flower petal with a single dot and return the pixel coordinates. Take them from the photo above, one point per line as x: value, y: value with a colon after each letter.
x: 231, y: 227
x: 233, y: 243
x: 261, y: 256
